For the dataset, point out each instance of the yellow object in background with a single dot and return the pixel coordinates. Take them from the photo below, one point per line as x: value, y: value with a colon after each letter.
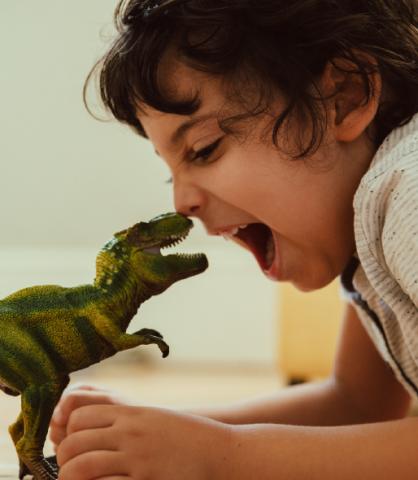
x: 309, y: 325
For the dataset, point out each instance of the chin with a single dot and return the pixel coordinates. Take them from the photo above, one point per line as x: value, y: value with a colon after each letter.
x: 307, y: 284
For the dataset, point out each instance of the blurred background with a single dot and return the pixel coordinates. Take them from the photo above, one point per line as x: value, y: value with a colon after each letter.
x: 68, y: 182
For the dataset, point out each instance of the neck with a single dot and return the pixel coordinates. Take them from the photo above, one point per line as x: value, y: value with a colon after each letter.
x: 122, y: 292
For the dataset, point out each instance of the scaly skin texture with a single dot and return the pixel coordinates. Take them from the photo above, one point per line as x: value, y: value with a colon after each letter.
x: 49, y: 331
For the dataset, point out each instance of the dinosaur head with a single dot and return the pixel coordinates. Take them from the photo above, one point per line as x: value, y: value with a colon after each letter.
x: 143, y: 243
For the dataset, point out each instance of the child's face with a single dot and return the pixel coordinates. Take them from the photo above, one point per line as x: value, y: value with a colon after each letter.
x: 245, y: 180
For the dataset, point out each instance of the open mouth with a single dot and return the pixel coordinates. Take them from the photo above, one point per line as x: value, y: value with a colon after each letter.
x: 258, y: 238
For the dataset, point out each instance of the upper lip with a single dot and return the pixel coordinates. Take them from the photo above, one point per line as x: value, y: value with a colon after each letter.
x: 226, y: 229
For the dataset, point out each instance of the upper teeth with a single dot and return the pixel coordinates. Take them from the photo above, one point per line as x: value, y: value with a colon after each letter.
x: 227, y: 234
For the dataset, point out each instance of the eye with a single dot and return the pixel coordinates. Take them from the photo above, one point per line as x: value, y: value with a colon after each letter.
x: 202, y: 156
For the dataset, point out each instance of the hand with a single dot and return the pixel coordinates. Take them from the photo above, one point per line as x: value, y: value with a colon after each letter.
x: 125, y: 442
x: 74, y: 397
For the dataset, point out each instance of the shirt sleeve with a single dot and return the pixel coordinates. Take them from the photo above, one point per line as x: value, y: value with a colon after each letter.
x: 400, y: 232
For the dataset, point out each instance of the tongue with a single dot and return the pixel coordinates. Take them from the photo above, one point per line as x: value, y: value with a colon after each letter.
x: 259, y: 240
x: 154, y: 250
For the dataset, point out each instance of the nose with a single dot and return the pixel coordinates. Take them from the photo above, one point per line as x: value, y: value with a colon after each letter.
x: 188, y: 199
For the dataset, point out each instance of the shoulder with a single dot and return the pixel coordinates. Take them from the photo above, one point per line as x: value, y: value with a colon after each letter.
x: 393, y: 170
x: 386, y: 210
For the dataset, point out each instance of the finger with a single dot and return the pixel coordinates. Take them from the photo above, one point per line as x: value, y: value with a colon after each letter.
x: 114, y: 478
x: 82, y: 386
x: 92, y: 416
x: 95, y: 465
x: 85, y: 441
x: 57, y: 434
x: 75, y: 399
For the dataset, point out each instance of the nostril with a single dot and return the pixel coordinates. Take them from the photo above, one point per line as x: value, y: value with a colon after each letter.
x: 188, y: 199
x: 188, y: 211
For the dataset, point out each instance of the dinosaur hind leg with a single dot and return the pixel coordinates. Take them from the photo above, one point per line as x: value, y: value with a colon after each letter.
x: 16, y: 432
x: 38, y: 403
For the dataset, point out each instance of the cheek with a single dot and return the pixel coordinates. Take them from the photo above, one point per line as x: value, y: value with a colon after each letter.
x: 237, y: 175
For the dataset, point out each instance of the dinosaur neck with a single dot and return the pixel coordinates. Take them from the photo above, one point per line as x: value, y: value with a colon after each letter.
x: 122, y: 292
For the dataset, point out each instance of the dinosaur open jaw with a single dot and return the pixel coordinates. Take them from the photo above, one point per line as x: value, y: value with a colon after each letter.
x: 184, y: 264
x: 169, y: 241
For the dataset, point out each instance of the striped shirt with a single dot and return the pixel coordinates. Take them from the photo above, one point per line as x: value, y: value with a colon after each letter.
x: 382, y: 279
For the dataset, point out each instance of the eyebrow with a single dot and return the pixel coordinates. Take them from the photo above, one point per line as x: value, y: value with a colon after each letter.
x: 188, y: 125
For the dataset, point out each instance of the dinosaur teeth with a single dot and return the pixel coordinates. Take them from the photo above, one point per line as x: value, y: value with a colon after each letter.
x: 189, y: 256
x: 169, y: 241
x: 172, y: 240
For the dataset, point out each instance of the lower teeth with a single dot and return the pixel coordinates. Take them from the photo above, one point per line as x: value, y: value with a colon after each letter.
x: 269, y: 251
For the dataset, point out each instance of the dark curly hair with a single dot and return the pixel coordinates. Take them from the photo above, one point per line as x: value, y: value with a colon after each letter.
x: 283, y: 45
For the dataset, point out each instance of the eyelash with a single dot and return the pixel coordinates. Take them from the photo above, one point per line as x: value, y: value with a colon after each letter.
x: 202, y: 156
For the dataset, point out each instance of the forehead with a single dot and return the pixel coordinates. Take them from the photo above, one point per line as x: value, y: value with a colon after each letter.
x: 220, y: 98
x: 180, y: 82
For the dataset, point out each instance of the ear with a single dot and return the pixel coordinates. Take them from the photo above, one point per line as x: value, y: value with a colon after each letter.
x: 350, y: 111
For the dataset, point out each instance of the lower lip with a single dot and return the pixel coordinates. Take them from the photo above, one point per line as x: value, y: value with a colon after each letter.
x: 274, y: 273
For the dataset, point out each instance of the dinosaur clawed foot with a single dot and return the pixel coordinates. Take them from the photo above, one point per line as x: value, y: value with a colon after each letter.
x: 23, y: 470
x: 52, y: 460
x: 152, y: 336
x: 43, y: 469
x: 149, y: 331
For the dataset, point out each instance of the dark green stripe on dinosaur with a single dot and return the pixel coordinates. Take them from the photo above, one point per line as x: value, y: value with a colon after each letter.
x: 47, y: 332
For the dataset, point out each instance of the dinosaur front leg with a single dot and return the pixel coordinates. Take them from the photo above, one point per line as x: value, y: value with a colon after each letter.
x: 124, y: 341
x: 38, y: 403
x: 145, y: 336
x: 148, y: 336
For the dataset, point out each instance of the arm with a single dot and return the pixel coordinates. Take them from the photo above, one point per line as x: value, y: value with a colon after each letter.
x: 180, y: 446
x: 370, y: 451
x: 361, y: 389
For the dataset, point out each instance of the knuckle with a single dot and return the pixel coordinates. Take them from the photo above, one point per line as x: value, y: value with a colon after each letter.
x: 72, y: 400
x: 69, y: 471
x: 75, y: 420
x: 88, y: 465
x: 56, y: 435
x: 68, y: 401
x: 82, y: 467
x: 62, y: 454
x: 81, y: 386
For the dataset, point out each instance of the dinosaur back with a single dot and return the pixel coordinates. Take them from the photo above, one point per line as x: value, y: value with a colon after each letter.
x: 49, y: 297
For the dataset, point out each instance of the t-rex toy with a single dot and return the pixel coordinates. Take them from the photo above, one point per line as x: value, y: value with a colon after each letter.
x: 49, y: 331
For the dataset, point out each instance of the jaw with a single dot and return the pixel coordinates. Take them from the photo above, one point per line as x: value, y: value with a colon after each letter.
x: 164, y: 270
x: 158, y: 272
x: 262, y: 242
x: 180, y: 266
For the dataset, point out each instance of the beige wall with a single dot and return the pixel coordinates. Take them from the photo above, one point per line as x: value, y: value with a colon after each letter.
x: 68, y: 182
x: 60, y: 168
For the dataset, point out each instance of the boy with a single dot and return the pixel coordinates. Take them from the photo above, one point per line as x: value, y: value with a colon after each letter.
x: 290, y: 127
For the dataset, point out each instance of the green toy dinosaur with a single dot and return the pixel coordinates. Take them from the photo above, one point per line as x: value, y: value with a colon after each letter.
x: 49, y: 331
